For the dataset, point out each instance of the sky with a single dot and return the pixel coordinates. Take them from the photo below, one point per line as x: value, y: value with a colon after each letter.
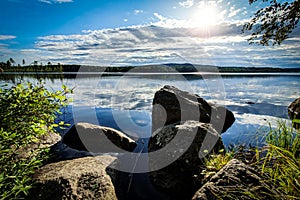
x: 137, y: 32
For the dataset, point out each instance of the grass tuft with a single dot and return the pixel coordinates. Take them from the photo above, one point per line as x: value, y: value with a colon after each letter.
x: 278, y: 162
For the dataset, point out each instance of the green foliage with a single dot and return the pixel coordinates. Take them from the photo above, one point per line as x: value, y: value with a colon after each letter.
x: 27, y: 113
x: 281, y: 160
x: 296, y: 123
x: 215, y: 162
x: 31, y: 106
x: 273, y: 24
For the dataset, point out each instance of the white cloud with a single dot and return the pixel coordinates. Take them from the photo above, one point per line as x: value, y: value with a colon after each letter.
x: 161, y: 42
x: 25, y: 51
x: 63, y: 1
x: 139, y: 45
x: 55, y: 1
x: 222, y: 14
x: 7, y: 37
x: 168, y: 22
x: 233, y: 12
x: 45, y: 1
x: 187, y: 3
x: 158, y: 16
x: 136, y: 12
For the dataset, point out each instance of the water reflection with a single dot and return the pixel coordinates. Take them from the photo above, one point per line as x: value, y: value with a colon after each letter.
x: 255, y: 100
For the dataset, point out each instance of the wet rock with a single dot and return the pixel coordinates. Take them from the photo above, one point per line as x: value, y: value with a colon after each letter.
x: 180, y: 149
x: 97, y: 139
x: 234, y: 181
x: 171, y: 105
x: 294, y: 111
x: 83, y: 178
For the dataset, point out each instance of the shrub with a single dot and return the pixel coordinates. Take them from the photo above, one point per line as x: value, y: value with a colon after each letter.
x: 27, y: 112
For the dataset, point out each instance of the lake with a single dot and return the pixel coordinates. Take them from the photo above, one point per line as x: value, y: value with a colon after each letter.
x: 124, y: 101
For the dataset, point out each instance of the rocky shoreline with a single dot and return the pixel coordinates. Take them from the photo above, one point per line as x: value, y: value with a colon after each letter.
x: 186, y: 130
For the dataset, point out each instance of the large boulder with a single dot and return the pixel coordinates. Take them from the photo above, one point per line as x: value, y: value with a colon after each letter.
x: 235, y: 180
x: 83, y: 178
x: 61, y: 152
x: 171, y: 105
x: 97, y: 139
x: 294, y: 111
x: 185, y: 130
x: 43, y: 141
x: 181, y: 148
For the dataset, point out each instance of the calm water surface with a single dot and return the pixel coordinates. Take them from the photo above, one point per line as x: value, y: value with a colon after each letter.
x: 125, y: 102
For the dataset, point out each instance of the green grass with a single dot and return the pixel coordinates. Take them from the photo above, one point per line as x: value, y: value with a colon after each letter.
x: 215, y: 162
x: 278, y: 162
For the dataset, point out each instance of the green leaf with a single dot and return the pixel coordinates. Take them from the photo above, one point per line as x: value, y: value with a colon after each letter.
x: 27, y: 111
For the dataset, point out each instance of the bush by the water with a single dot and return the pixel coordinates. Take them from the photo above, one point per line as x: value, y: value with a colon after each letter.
x: 27, y: 112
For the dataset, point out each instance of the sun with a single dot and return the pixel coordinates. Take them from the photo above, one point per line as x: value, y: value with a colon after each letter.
x: 204, y: 16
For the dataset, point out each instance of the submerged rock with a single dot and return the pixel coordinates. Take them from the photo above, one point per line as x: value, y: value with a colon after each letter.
x: 83, y: 178
x: 181, y: 146
x: 294, y: 111
x: 97, y: 139
x: 171, y: 105
x: 234, y: 181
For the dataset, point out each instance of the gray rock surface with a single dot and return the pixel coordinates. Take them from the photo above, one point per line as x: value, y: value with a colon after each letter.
x: 83, y: 178
x: 61, y: 152
x: 180, y: 145
x: 44, y: 141
x: 233, y: 181
x: 97, y: 139
x: 185, y: 130
x: 171, y: 105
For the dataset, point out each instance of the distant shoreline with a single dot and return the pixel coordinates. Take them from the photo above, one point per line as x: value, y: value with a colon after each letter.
x: 164, y: 68
x: 74, y: 74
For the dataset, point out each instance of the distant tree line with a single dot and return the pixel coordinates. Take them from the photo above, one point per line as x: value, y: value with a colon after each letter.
x: 10, y: 66
x: 258, y: 70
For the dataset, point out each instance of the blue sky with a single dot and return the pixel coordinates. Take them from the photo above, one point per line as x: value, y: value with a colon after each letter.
x: 122, y: 32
